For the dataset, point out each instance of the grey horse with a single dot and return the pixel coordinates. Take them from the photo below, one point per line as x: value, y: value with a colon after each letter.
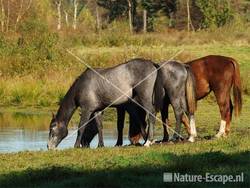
x: 176, y: 86
x: 92, y: 93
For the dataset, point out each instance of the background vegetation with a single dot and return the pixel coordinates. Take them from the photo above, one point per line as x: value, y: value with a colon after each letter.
x: 36, y: 70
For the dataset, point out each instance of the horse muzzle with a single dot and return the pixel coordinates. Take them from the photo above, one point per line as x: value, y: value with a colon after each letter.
x: 51, y: 145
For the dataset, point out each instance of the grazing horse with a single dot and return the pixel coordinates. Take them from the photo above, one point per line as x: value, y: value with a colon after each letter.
x: 175, y: 85
x: 220, y: 75
x: 178, y: 85
x: 97, y: 89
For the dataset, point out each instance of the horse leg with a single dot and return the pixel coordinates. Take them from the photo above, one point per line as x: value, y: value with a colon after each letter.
x: 228, y: 122
x: 223, y: 100
x: 178, y: 116
x: 85, y: 115
x: 120, y: 125
x: 151, y: 114
x: 150, y: 134
x: 138, y: 116
x: 100, y: 129
x: 164, y: 118
x: 193, y: 132
x: 137, y: 126
x: 185, y: 121
x: 145, y: 98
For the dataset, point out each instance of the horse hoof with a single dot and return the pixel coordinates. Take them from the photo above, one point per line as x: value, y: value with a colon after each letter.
x: 154, y: 142
x: 77, y: 146
x: 220, y: 135
x: 148, y: 143
x: 191, y: 139
x: 164, y: 140
x: 118, y: 145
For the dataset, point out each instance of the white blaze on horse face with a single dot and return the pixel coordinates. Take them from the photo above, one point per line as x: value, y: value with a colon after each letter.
x: 222, y: 129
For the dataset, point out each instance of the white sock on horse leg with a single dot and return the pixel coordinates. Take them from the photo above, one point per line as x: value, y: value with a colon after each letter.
x: 222, y: 129
x: 192, y: 126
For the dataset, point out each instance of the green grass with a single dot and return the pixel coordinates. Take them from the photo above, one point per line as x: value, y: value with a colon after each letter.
x: 125, y: 167
x: 47, y: 87
x: 137, y: 166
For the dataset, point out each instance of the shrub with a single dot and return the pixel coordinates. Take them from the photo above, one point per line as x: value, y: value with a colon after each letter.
x: 216, y: 13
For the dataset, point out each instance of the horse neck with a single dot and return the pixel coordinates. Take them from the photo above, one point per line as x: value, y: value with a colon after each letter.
x: 66, y: 110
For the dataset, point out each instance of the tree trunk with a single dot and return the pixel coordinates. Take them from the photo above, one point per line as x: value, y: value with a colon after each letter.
x: 66, y: 18
x: 8, y: 16
x: 188, y: 16
x: 189, y: 21
x: 2, y: 16
x: 75, y: 14
x: 19, y: 14
x: 22, y: 12
x: 130, y: 16
x: 144, y: 21
x: 98, y: 24
x: 59, y: 21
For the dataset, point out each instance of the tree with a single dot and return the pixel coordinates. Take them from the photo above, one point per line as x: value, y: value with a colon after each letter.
x: 2, y: 16
x: 13, y: 12
x: 24, y: 7
x: 130, y: 15
x: 98, y: 20
x: 189, y: 21
x: 144, y: 20
x: 75, y: 14
x: 59, y: 14
x: 215, y: 13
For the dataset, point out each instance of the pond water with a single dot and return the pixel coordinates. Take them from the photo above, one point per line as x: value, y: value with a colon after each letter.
x: 29, y: 131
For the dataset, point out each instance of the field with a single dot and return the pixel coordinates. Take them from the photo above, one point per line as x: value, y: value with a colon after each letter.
x: 138, y: 166
x: 40, y: 87
x: 25, y: 82
x: 128, y: 166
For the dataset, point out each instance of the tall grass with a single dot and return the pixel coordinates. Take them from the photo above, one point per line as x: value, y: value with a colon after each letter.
x: 35, y: 68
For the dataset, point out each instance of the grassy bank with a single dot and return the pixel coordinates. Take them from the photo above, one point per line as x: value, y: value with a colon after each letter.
x: 126, y: 167
x: 46, y: 86
x: 137, y: 166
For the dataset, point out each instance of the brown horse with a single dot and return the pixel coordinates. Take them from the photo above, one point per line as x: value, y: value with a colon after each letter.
x: 218, y: 74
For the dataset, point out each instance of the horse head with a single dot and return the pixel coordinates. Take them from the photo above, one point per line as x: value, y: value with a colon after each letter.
x: 57, y: 132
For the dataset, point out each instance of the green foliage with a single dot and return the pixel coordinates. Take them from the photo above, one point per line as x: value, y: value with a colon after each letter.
x: 36, y: 41
x: 115, y: 8
x: 216, y: 13
x: 118, y: 9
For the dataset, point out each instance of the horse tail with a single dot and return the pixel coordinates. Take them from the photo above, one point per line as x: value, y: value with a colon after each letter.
x: 190, y: 90
x: 237, y: 90
x: 158, y: 93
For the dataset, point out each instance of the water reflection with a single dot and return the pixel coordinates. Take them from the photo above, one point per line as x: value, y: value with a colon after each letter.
x: 29, y: 131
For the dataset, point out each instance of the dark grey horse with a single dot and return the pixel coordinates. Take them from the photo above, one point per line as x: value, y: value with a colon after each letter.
x: 178, y: 89
x: 178, y: 83
x: 92, y: 93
